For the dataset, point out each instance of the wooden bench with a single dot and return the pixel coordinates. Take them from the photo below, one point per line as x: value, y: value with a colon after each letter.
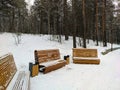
x: 10, y: 77
x: 49, y: 60
x: 85, y: 56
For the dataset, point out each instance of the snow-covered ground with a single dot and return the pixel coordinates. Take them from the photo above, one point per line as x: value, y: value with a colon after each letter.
x: 105, y: 76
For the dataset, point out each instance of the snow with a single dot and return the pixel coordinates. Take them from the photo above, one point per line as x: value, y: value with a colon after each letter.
x: 85, y: 58
x: 29, y: 3
x: 22, y: 81
x: 51, y: 63
x: 105, y: 76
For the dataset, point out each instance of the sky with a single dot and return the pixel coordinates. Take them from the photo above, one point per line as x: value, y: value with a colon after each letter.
x: 29, y: 2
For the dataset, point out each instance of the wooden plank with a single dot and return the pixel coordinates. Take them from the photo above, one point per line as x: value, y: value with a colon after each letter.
x: 21, y: 81
x: 54, y: 67
x: 86, y: 61
x: 78, y: 52
x: 26, y: 84
x: 85, y: 56
x: 35, y: 70
x: 7, y: 70
x: 17, y: 82
x: 46, y: 55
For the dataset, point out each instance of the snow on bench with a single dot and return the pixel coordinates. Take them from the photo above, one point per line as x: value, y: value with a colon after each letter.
x: 85, y: 56
x: 51, y: 63
x: 50, y: 59
x: 10, y: 77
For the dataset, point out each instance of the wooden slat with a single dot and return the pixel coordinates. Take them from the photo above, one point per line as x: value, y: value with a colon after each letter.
x: 78, y: 52
x: 18, y: 81
x: 7, y: 70
x: 35, y: 70
x: 49, y: 55
x: 46, y: 55
x: 82, y: 61
x: 54, y: 67
x: 85, y: 56
x: 21, y: 81
x: 25, y: 82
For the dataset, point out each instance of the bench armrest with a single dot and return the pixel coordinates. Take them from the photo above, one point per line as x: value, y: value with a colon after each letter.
x: 33, y: 68
x: 65, y: 57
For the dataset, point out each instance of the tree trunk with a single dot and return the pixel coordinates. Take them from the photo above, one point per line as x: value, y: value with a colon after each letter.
x: 111, y: 40
x: 49, y: 22
x: 96, y: 21
x: 104, y: 24
x: 65, y: 25
x: 84, y: 23
x: 41, y: 24
x: 74, y: 23
x: 12, y: 23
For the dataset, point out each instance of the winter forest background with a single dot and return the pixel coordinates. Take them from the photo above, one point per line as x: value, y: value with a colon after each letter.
x: 98, y: 20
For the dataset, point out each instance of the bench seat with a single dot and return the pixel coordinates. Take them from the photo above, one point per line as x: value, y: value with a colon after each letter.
x: 20, y: 81
x: 50, y: 66
x: 51, y: 63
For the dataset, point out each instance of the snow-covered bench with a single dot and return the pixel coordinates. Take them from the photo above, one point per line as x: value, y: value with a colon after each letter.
x: 85, y: 56
x: 10, y: 77
x: 49, y: 60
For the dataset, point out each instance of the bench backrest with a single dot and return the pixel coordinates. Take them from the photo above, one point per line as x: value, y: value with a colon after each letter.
x: 80, y: 52
x: 46, y: 55
x: 7, y: 70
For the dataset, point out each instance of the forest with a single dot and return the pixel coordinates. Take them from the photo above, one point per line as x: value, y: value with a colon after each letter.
x: 98, y: 20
